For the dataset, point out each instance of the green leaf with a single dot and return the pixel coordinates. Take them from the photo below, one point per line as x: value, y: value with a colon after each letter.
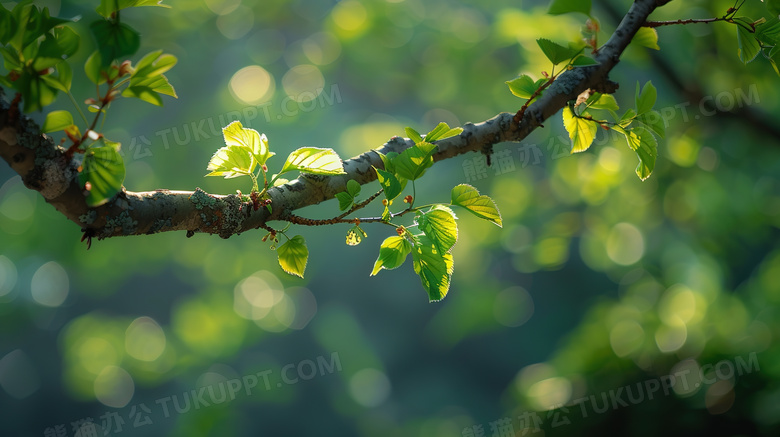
x: 231, y: 162
x: 602, y: 101
x: 645, y: 145
x: 555, y: 52
x: 646, y: 37
x: 37, y: 93
x: 345, y: 200
x: 314, y: 160
x: 434, y: 268
x: 392, y: 253
x: 439, y: 225
x: 413, y: 135
x: 653, y: 121
x: 61, y: 44
x: 144, y: 93
x: 103, y: 172
x: 773, y: 6
x: 627, y: 118
x: 153, y: 64
x: 56, y: 121
x: 522, y: 86
x: 235, y: 134
x: 93, y: 68
x: 645, y: 100
x: 353, y: 187
x: 108, y: 7
x: 387, y: 161
x: 413, y: 162
x: 748, y: 45
x: 558, y: 7
x: 583, y: 61
x: 355, y: 236
x: 582, y: 132
x: 482, y: 206
x: 115, y: 40
x: 293, y: 256
x: 769, y: 32
x: 442, y: 131
x: 390, y: 184
x: 8, y: 25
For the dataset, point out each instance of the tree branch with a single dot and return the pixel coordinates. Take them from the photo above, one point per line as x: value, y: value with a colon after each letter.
x: 44, y: 167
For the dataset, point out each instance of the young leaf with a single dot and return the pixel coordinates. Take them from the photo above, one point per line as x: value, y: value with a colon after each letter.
x: 558, y: 7
x: 644, y: 144
x: 293, y: 256
x: 583, y: 61
x: 237, y: 135
x: 653, y: 121
x: 314, y: 160
x: 646, y: 37
x: 482, y: 206
x: 345, y: 200
x: 355, y: 235
x: 353, y: 188
x: 413, y: 135
x: 392, y: 253
x: 646, y: 98
x: 58, y: 45
x: 413, y: 162
x: 102, y: 172
x: 773, y: 6
x: 57, y: 120
x: 555, y: 52
x: 390, y: 185
x: 522, y: 86
x: 748, y: 45
x: 434, y: 268
x: 582, y: 132
x: 231, y: 162
x: 769, y: 32
x: 602, y: 101
x: 442, y: 131
x: 439, y: 225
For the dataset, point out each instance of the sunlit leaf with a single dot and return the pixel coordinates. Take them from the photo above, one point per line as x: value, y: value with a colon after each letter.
x: 102, y: 173
x: 355, y: 236
x: 522, y: 86
x: 440, y: 226
x: 235, y: 134
x: 482, y: 206
x: 392, y: 253
x: 442, y: 131
x: 413, y: 135
x: 314, y: 160
x: 413, y: 162
x: 581, y: 131
x: 434, y: 267
x: 293, y: 256
x: 231, y: 162
x: 603, y: 101
x: 645, y: 145
x: 390, y: 185
x: 646, y: 37
x: 56, y: 121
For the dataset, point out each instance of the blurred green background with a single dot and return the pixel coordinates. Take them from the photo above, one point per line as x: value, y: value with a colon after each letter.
x: 598, y: 287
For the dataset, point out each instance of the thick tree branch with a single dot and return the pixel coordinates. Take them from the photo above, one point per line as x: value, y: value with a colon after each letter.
x: 44, y: 167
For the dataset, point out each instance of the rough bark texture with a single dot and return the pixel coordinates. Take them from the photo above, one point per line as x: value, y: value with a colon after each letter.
x: 44, y: 168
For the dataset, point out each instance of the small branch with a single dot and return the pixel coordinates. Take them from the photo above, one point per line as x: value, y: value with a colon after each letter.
x: 675, y: 22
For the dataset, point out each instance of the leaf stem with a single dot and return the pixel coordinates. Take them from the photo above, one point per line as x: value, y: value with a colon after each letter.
x: 78, y: 108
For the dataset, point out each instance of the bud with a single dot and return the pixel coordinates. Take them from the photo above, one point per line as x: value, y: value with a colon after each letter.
x: 384, y: 202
